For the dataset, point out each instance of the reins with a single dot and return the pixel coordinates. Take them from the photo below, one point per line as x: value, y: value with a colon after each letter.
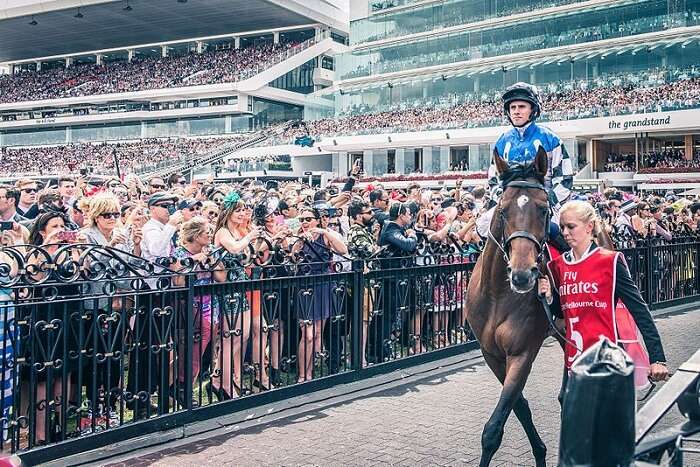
x: 505, y: 242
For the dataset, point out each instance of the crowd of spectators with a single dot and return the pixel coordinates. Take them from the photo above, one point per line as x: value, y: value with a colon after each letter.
x: 133, y: 156
x: 661, y: 161
x: 612, y: 95
x: 620, y: 163
x: 192, y: 69
x: 318, y: 227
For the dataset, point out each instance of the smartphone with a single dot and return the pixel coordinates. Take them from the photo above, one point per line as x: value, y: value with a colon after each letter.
x: 6, y: 225
x: 68, y: 236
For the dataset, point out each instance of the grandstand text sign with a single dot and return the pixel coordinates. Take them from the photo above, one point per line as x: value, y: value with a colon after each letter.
x: 638, y: 123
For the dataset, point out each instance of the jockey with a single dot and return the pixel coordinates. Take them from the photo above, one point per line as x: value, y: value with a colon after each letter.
x: 519, y: 145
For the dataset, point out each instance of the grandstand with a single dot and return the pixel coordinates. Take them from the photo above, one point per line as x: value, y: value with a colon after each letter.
x: 416, y: 93
x: 422, y: 79
x: 159, y: 83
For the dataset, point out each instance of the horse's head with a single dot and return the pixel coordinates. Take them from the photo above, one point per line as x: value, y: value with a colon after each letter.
x: 522, y: 219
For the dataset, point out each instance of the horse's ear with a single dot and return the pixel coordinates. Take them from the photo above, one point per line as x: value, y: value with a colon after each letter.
x: 541, y: 162
x: 501, y: 164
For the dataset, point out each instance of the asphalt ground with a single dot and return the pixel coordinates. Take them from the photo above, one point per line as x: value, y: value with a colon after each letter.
x: 431, y: 415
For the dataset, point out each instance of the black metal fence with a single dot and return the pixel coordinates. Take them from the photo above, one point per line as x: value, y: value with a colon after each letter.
x: 99, y: 346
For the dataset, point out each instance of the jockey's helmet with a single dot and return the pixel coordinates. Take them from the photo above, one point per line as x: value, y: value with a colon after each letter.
x: 522, y: 92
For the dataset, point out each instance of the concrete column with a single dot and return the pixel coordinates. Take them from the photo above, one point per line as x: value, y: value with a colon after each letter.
x: 444, y: 158
x: 69, y: 62
x: 237, y: 42
x: 227, y: 124
x: 473, y: 158
x: 200, y: 47
x: 130, y: 55
x: 98, y: 59
x: 688, y: 147
x: 69, y: 134
x: 344, y: 163
x: 595, y: 69
x: 317, y: 32
x: 38, y: 66
x: 143, y: 130
x: 664, y: 59
x: 400, y: 161
x: 477, y: 84
x: 368, y: 161
x: 533, y: 76
x: 164, y: 51
x: 428, y: 159
x: 276, y: 37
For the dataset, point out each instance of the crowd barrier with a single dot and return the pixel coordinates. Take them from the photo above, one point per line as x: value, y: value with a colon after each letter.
x: 100, y: 346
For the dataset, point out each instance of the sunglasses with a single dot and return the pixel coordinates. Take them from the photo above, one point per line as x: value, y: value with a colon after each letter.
x: 218, y: 200
x: 165, y: 205
x: 182, y: 182
x: 110, y: 215
x: 30, y: 190
x: 158, y: 187
x: 307, y: 219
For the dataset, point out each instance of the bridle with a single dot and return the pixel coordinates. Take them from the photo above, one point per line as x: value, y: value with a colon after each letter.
x: 504, y: 243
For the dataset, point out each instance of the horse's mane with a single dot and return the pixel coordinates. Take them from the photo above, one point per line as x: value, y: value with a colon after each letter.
x: 520, y: 172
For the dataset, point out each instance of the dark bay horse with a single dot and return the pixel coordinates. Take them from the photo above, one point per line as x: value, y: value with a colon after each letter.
x: 503, y: 310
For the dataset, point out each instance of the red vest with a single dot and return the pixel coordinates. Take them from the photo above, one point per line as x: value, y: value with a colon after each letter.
x: 586, y: 291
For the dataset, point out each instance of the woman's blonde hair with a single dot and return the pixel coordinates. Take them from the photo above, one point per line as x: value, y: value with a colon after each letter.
x: 209, y: 205
x: 101, y: 203
x: 192, y: 229
x: 584, y: 212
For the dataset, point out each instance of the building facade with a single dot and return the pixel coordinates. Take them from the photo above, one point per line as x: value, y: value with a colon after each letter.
x: 414, y: 54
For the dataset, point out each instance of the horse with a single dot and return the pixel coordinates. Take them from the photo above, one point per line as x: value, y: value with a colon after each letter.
x: 503, y: 310
x: 505, y: 316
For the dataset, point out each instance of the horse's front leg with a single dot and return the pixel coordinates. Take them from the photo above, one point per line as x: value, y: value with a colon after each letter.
x: 517, y: 370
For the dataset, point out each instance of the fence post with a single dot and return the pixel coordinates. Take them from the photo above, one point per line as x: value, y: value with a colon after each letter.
x: 648, y: 272
x: 189, y: 339
x: 358, y: 288
x: 696, y: 268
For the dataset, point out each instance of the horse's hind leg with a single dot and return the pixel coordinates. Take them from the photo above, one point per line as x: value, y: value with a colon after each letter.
x: 522, y: 411
x: 516, y: 372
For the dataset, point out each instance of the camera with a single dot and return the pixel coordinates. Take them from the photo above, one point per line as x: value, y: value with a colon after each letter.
x: 259, y: 214
x: 322, y: 208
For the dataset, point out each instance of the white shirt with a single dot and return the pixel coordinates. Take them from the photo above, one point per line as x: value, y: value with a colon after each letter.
x: 156, y: 242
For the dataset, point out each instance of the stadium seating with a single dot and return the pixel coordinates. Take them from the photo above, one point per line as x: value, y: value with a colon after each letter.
x: 133, y: 156
x: 222, y: 66
x: 611, y: 95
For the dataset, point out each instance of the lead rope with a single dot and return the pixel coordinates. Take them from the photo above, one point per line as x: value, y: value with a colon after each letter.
x: 550, y: 318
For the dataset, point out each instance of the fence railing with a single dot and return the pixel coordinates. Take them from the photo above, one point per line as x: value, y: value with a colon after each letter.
x: 100, y: 346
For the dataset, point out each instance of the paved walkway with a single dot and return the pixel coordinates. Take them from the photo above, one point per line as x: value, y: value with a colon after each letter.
x: 434, y: 421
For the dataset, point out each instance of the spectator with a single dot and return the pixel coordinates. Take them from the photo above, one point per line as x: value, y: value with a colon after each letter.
x: 379, y: 199
x: 362, y: 244
x: 66, y: 188
x: 9, y: 198
x: 27, y: 206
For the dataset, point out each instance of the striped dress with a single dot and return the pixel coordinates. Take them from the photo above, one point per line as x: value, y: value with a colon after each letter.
x: 9, y: 375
